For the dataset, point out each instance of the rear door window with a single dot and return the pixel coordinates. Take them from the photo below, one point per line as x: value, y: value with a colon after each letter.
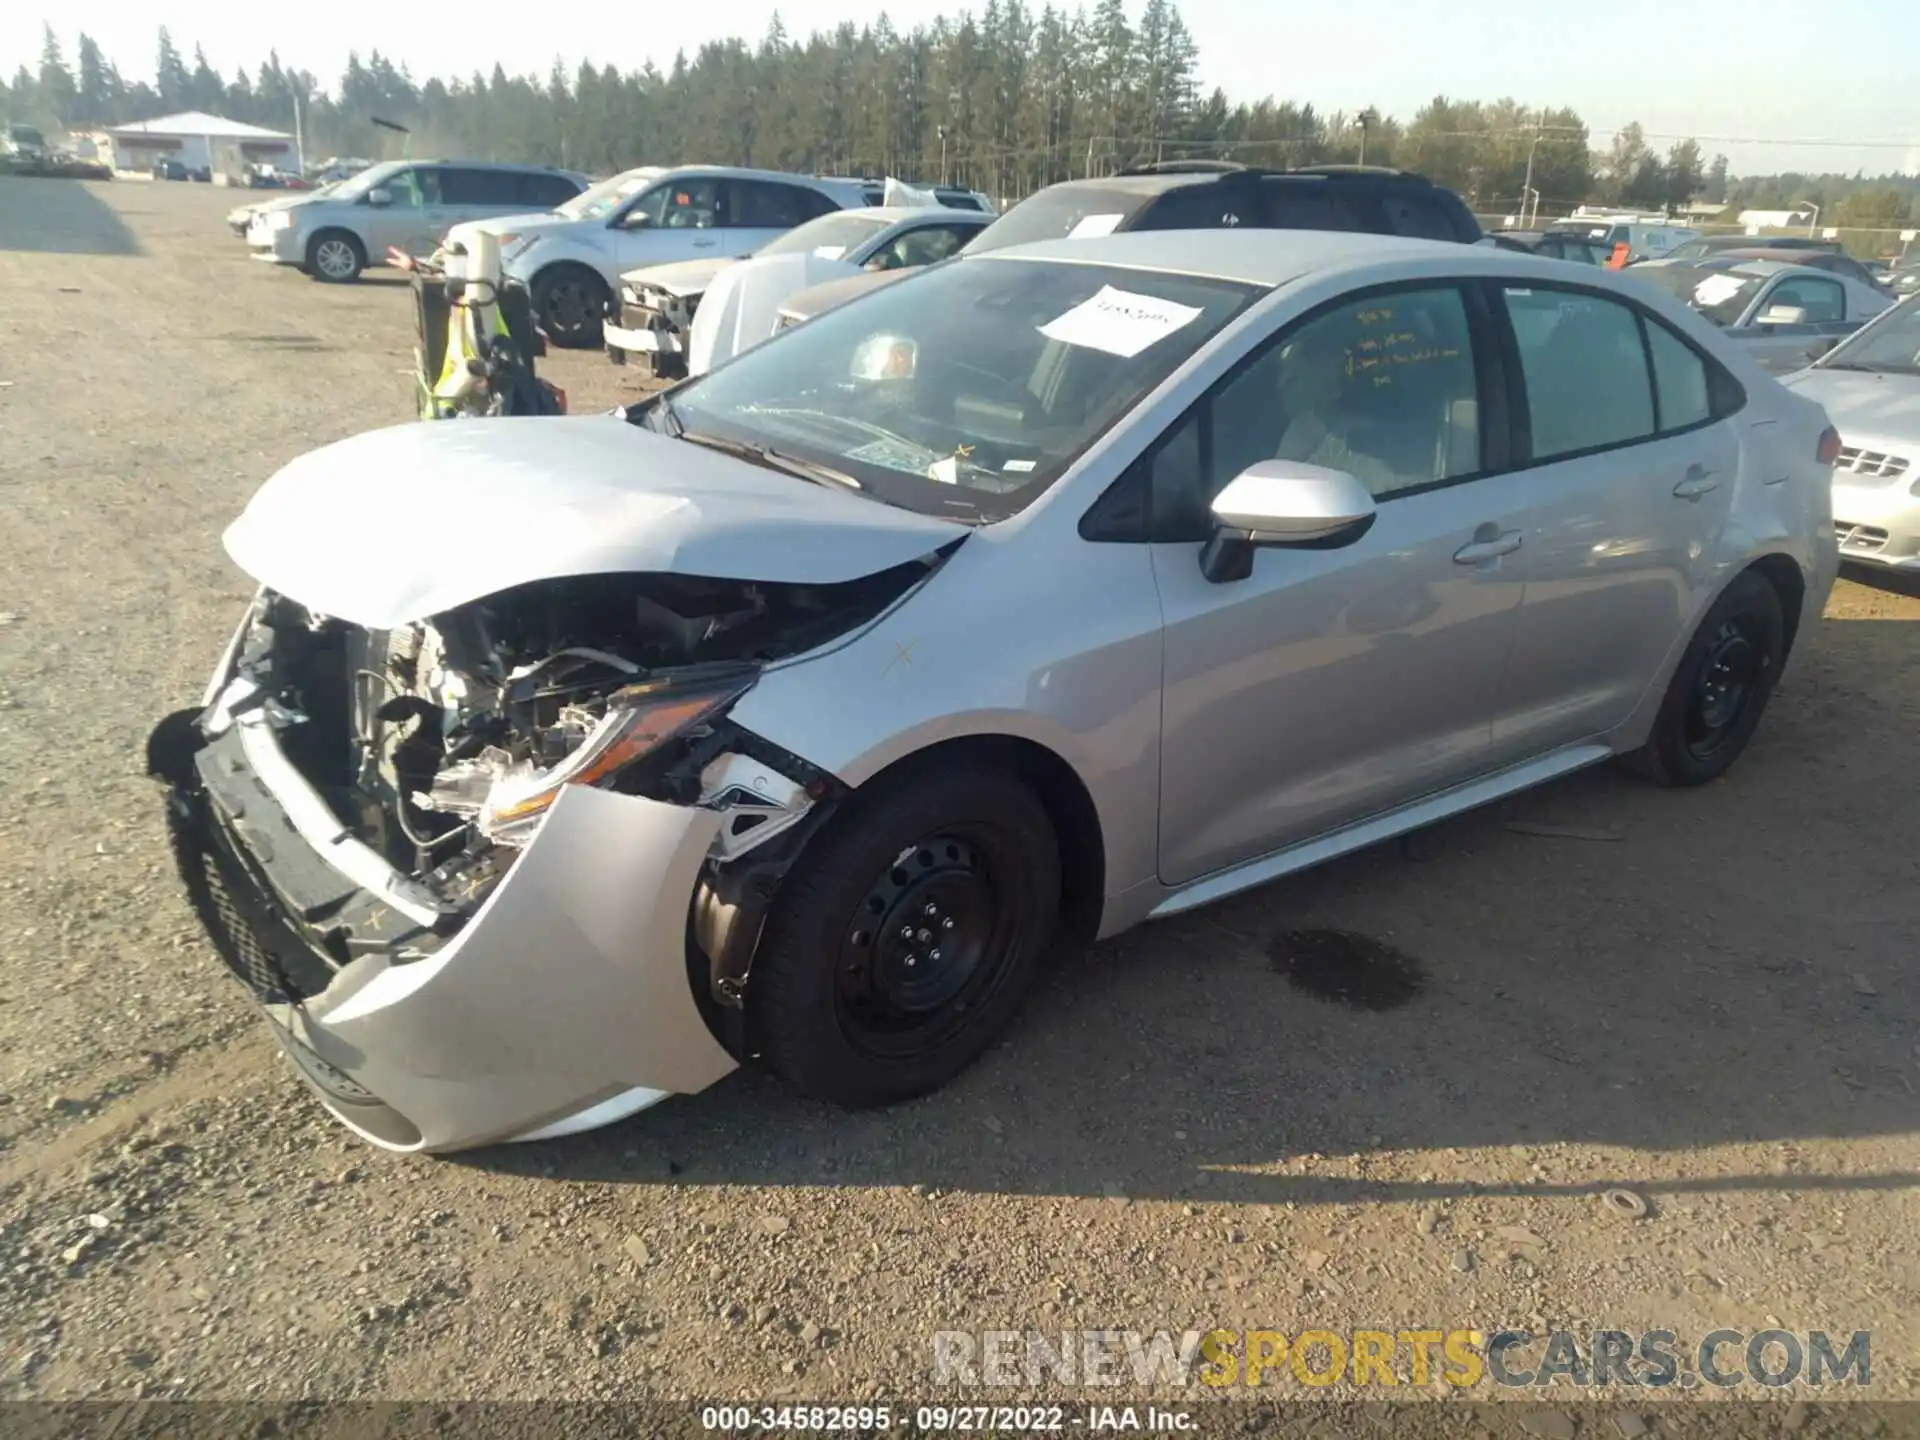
x: 1585, y: 369
x: 1308, y: 204
x: 768, y: 205
x: 1420, y: 216
x: 545, y: 192
x: 471, y: 185
x: 1204, y: 206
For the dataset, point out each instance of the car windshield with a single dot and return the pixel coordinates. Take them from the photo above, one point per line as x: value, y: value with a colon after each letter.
x: 599, y: 201
x: 368, y: 179
x: 1890, y: 345
x: 964, y: 391
x: 831, y: 236
x: 1059, y: 212
x: 1722, y: 296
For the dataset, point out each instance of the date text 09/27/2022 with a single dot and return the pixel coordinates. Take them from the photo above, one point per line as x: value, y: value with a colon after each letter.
x: 945, y: 1419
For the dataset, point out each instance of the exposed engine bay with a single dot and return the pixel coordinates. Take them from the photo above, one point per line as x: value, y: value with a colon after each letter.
x: 440, y: 743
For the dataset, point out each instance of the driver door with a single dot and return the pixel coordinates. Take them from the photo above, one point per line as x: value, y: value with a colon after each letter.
x: 414, y: 221
x: 676, y: 220
x: 1333, y: 684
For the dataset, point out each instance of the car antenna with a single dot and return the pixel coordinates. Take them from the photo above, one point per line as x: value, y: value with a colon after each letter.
x: 406, y: 146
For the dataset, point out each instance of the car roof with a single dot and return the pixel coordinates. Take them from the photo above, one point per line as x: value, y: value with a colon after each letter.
x: 1261, y: 257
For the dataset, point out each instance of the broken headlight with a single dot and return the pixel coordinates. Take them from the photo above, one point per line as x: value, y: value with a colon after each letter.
x: 637, y: 721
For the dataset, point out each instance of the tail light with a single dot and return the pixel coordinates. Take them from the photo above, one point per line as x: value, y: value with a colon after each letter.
x: 1829, y: 451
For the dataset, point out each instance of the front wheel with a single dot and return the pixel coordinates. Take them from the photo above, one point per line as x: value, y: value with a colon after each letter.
x: 904, y: 937
x: 335, y: 257
x: 570, y: 301
x: 1720, y: 688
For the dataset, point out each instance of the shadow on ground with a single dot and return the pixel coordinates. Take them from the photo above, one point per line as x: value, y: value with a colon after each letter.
x: 61, y: 217
x: 1631, y: 967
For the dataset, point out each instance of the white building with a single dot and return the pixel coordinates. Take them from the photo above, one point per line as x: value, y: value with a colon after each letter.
x: 1754, y: 221
x: 201, y: 142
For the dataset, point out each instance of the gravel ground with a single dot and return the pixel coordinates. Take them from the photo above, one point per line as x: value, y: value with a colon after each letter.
x: 1709, y: 998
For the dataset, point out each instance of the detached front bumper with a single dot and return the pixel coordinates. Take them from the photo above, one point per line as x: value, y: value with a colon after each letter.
x: 644, y: 330
x: 562, y: 1003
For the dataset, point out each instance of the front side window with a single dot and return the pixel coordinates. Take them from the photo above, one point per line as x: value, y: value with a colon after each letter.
x: 1383, y: 388
x: 1584, y: 368
x: 925, y: 246
x: 1822, y: 299
x: 414, y: 189
x: 677, y: 205
x: 965, y: 390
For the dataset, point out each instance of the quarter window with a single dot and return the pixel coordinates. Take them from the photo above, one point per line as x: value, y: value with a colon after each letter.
x: 1585, y: 371
x: 1679, y: 380
x: 1383, y: 388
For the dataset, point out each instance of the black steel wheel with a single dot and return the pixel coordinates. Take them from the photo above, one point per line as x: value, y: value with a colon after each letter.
x: 570, y: 303
x: 1720, y: 688
x: 904, y: 936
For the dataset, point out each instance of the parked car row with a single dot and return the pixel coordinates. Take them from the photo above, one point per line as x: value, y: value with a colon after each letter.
x: 1174, y: 534
x: 1777, y: 310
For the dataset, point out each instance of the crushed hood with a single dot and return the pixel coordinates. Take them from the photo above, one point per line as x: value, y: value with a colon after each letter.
x: 680, y: 278
x: 742, y: 306
x: 399, y: 524
x: 1883, y: 407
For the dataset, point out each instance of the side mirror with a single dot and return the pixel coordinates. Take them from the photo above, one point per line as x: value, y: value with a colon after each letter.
x: 1283, y: 503
x: 379, y: 196
x: 1783, y: 315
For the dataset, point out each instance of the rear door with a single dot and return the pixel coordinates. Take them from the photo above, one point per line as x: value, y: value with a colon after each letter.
x: 1629, y: 452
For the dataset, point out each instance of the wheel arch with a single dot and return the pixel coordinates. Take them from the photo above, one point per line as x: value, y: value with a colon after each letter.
x: 345, y: 232
x: 1069, y: 804
x: 1789, y: 582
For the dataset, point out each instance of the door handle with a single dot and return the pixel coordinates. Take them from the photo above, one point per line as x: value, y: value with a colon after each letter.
x: 1492, y: 548
x: 1699, y: 481
x: 705, y: 244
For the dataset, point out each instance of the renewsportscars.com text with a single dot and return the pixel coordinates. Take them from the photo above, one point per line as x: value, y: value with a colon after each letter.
x: 1654, y: 1359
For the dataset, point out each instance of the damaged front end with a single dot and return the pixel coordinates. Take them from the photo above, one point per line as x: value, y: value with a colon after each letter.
x: 499, y: 873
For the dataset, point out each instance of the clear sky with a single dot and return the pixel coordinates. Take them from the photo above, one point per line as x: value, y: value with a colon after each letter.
x: 1733, y: 74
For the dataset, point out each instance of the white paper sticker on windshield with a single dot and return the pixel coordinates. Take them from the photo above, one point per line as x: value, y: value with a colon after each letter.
x: 1017, y: 467
x: 1715, y: 288
x: 1091, y: 225
x: 946, y: 471
x: 829, y: 252
x: 1119, y: 322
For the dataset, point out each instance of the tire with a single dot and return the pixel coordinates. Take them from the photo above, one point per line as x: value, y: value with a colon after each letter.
x: 336, y: 257
x: 1720, y: 688
x: 570, y: 301
x: 838, y: 1004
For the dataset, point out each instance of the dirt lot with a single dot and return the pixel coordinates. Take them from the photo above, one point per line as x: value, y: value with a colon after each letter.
x: 1707, y: 997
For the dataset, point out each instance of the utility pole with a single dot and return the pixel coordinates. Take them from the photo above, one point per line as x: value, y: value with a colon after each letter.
x: 1367, y: 119
x: 1526, y: 185
x: 299, y: 138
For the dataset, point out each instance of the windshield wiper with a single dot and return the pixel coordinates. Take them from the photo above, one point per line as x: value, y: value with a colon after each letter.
x: 766, y: 455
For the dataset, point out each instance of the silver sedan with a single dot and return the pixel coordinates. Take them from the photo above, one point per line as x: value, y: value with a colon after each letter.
x: 790, y: 716
x: 1870, y: 386
x: 1779, y: 312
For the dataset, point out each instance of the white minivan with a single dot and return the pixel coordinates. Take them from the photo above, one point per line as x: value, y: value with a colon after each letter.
x: 1644, y: 241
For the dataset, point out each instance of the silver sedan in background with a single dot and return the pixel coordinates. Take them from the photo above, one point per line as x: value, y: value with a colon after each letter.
x: 792, y: 715
x: 1777, y: 311
x: 1870, y: 387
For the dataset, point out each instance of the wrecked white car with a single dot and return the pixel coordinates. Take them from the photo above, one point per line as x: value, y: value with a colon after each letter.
x: 660, y: 305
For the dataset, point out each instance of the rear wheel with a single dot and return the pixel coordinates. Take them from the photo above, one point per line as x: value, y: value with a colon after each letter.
x: 1720, y: 688
x: 335, y: 257
x: 905, y: 936
x: 570, y: 302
